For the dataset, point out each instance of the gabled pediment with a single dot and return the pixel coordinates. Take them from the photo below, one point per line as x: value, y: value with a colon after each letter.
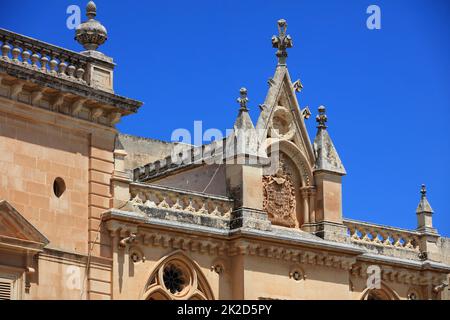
x: 281, y: 111
x: 18, y: 232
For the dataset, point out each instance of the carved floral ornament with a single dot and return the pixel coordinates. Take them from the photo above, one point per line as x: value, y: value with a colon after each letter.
x: 279, y: 196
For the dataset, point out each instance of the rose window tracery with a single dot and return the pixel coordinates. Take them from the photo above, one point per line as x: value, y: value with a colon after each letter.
x: 174, y: 279
x: 177, y: 277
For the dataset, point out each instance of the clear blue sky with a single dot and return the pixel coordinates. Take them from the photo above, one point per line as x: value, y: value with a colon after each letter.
x: 386, y: 91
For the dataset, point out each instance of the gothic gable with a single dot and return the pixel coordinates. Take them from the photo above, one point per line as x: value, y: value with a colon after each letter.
x: 281, y: 112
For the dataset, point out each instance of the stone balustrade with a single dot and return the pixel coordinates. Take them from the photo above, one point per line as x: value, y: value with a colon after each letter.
x: 379, y: 235
x: 154, y: 196
x: 56, y: 61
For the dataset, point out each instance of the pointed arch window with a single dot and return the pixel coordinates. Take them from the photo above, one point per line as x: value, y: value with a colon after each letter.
x: 177, y: 277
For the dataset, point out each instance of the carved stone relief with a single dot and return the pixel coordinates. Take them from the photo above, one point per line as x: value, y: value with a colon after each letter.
x: 282, y: 123
x: 280, y: 200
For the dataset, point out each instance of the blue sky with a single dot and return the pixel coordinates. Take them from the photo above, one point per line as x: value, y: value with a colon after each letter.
x: 386, y: 91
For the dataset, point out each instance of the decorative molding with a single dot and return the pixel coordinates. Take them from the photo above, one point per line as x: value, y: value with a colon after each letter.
x: 58, y: 101
x: 398, y: 274
x: 96, y: 113
x: 77, y: 106
x: 36, y: 97
x: 222, y: 248
x: 16, y: 89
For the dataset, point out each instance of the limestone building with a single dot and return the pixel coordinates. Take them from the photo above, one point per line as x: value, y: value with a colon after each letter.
x: 89, y: 213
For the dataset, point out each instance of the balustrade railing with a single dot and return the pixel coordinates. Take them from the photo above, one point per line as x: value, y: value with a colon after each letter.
x: 43, y: 57
x: 154, y: 196
x: 373, y: 234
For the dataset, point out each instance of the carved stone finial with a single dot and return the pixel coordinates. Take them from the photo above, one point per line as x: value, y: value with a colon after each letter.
x: 282, y: 42
x: 424, y: 205
x: 321, y: 118
x: 242, y: 100
x: 91, y: 10
x: 91, y: 33
x: 327, y: 158
x: 423, y: 191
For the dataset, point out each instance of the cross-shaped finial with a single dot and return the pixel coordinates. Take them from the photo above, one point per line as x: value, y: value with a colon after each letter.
x: 282, y: 42
x: 242, y: 100
x: 423, y: 191
x: 321, y: 118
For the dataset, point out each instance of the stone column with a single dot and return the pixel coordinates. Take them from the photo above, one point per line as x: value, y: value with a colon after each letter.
x: 306, y: 209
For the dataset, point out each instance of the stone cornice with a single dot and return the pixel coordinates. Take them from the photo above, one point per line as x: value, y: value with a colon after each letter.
x: 228, y: 248
x: 28, y: 112
x: 113, y: 101
x: 269, y: 244
x: 224, y: 245
x: 406, y: 263
x: 134, y: 220
x: 399, y: 273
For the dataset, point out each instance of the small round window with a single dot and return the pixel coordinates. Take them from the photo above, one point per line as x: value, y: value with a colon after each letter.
x: 174, y: 279
x: 59, y: 186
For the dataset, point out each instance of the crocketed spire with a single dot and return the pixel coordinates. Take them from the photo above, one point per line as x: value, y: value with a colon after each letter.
x: 424, y: 205
x: 243, y: 120
x: 243, y: 139
x: 425, y: 213
x: 327, y: 158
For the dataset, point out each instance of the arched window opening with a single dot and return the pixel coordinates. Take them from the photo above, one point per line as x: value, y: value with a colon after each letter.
x: 177, y: 277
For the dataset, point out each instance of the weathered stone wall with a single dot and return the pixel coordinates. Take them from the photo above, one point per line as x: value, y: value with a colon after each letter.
x: 38, y: 146
x: 32, y: 155
x: 60, y: 276
x: 208, y: 178
x: 143, y: 150
x: 320, y: 282
x: 445, y: 251
x: 129, y: 279
x: 444, y: 245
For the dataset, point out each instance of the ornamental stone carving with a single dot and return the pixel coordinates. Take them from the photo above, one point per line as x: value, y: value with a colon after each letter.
x: 279, y: 196
x: 91, y: 33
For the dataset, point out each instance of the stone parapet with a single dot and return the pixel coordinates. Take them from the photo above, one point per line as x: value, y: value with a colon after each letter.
x: 364, y: 233
x: 153, y: 196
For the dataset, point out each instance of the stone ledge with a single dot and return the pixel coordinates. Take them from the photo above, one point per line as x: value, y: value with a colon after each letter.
x: 126, y: 105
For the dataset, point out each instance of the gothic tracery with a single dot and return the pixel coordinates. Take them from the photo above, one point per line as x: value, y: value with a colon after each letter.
x: 177, y: 277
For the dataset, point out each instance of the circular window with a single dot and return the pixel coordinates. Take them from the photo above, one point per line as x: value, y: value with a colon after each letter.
x: 174, y: 279
x: 296, y: 275
x: 59, y: 186
x: 412, y: 296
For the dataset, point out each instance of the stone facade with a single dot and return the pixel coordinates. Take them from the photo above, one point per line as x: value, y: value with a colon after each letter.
x: 89, y: 213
